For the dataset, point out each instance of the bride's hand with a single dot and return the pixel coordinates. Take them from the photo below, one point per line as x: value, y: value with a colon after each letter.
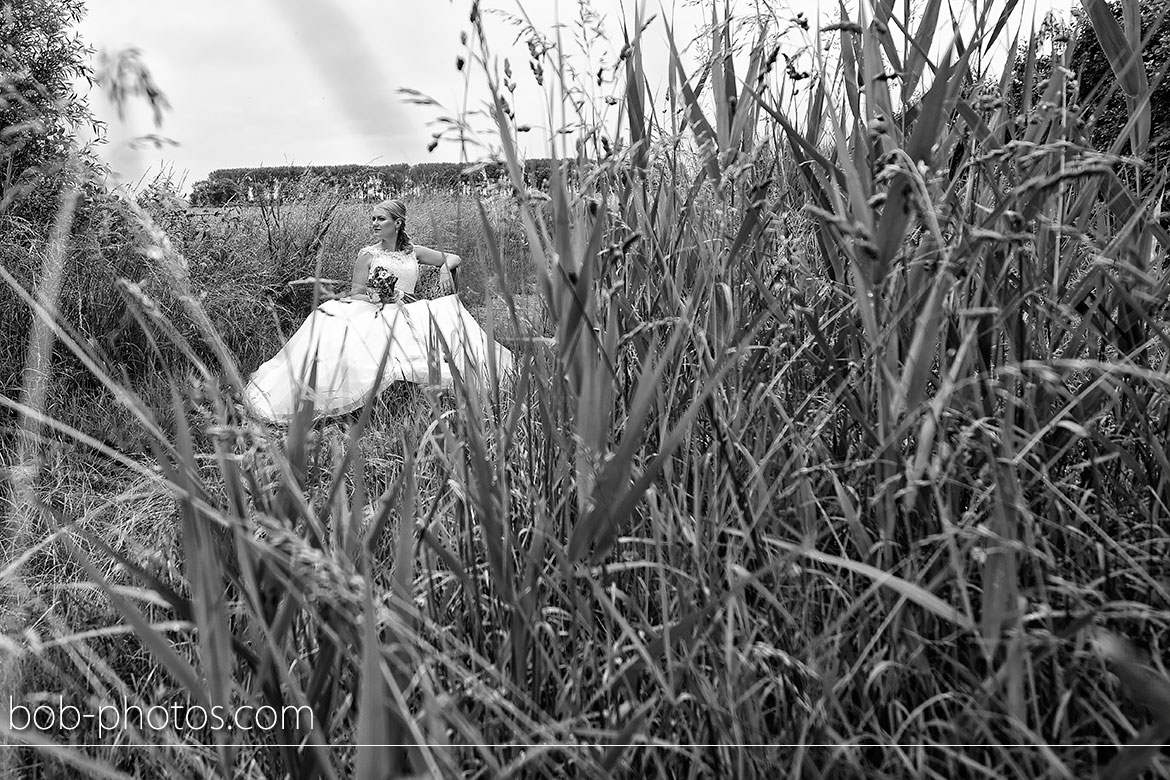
x: 361, y: 297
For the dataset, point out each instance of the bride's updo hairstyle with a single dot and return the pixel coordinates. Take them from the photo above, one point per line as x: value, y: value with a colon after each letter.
x: 396, y: 209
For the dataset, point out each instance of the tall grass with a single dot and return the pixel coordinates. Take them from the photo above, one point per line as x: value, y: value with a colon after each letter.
x: 877, y: 487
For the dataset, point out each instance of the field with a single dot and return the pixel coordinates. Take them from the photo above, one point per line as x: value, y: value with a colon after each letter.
x: 838, y: 449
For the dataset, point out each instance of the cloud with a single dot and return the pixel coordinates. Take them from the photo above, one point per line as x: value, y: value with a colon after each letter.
x: 280, y: 81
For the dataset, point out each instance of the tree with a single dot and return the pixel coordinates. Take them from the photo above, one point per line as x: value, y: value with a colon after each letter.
x: 1104, y: 104
x: 41, y: 58
x: 1109, y: 105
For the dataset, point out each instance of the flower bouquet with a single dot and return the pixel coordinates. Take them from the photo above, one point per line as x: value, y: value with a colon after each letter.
x: 384, y: 284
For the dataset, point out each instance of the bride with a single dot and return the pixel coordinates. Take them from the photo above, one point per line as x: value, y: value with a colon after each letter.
x: 346, y: 339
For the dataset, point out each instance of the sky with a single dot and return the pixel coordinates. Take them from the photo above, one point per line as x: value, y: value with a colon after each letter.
x: 304, y: 82
x: 316, y: 82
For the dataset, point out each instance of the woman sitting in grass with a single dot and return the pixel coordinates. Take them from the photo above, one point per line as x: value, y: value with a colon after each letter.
x: 350, y: 348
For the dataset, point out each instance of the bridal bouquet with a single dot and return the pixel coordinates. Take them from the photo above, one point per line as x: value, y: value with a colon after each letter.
x: 384, y: 284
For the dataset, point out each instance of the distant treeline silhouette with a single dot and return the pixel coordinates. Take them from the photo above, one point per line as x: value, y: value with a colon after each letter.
x: 360, y: 182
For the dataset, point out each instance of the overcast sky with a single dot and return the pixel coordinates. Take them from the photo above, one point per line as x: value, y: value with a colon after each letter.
x: 315, y: 82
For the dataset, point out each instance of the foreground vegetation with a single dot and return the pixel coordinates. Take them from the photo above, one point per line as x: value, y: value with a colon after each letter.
x: 838, y: 451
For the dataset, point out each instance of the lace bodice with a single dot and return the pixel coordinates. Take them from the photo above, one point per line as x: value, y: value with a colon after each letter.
x: 404, y: 265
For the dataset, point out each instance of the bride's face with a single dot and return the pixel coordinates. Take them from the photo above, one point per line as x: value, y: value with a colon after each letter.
x: 383, y: 225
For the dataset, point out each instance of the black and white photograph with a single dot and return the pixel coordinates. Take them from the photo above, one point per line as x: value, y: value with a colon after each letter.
x: 590, y: 389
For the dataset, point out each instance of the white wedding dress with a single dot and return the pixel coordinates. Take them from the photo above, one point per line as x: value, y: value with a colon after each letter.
x: 346, y: 340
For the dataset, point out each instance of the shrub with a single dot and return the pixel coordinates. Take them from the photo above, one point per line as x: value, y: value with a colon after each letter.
x: 40, y: 114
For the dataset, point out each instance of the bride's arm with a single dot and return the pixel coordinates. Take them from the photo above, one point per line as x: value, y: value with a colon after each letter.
x: 361, y: 274
x: 428, y: 256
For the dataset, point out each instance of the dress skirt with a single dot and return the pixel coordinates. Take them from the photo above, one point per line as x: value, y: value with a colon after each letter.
x: 346, y: 339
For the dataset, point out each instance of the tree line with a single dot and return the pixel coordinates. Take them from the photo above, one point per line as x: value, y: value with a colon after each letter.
x: 359, y: 182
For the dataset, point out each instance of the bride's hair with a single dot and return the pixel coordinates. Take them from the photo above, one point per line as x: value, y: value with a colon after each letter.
x: 397, y: 209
